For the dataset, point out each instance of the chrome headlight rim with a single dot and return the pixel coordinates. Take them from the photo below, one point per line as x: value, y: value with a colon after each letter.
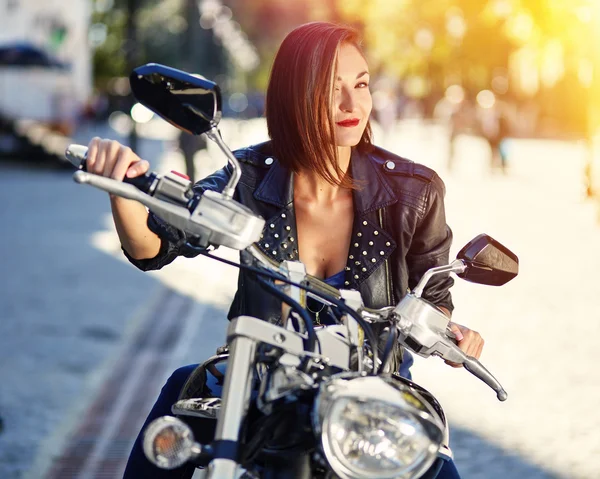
x: 408, y: 404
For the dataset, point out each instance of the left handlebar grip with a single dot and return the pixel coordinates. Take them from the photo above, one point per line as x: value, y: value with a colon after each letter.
x: 77, y: 155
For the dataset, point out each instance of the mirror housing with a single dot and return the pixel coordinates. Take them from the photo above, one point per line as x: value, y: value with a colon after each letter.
x: 488, y: 262
x: 187, y: 101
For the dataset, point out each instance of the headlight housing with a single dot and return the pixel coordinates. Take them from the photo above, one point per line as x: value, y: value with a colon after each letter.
x: 375, y: 427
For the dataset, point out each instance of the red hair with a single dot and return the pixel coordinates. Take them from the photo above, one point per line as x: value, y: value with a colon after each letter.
x: 299, y: 98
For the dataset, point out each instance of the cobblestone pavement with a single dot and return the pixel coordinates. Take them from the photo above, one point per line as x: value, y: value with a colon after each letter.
x: 80, y: 368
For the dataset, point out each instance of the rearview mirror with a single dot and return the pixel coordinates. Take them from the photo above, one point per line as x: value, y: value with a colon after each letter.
x: 188, y: 102
x: 488, y: 262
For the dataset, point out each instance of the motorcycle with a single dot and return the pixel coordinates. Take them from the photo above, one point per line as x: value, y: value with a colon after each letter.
x: 295, y: 399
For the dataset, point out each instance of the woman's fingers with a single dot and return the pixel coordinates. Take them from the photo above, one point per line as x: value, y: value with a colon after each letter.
x: 114, y: 160
x: 112, y: 154
x: 98, y: 167
x: 92, y: 153
x: 138, y: 168
x: 469, y: 341
x: 124, y: 159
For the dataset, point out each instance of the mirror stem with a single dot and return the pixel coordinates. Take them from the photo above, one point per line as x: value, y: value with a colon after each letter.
x: 215, y: 136
x: 457, y: 266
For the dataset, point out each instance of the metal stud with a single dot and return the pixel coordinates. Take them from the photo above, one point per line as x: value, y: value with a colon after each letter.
x: 272, y: 226
x: 274, y: 252
x: 262, y: 236
x: 359, y: 234
x: 365, y: 223
x: 364, y: 269
x: 375, y: 233
x: 269, y: 161
x: 295, y: 251
x: 267, y: 245
x: 390, y: 165
x: 291, y: 239
x: 364, y: 253
x: 276, y: 236
x: 356, y: 245
x: 283, y: 215
x: 284, y: 245
x: 382, y: 253
x: 357, y: 263
x: 291, y: 256
x: 346, y: 283
x: 370, y: 243
x: 387, y: 243
x: 347, y: 268
x: 351, y: 256
x: 373, y: 260
x: 355, y: 276
x: 287, y: 228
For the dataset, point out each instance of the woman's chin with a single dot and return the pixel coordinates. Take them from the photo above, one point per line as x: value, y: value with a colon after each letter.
x: 348, y: 141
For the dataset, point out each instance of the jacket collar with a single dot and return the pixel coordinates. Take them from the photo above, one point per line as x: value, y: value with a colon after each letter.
x: 277, y: 187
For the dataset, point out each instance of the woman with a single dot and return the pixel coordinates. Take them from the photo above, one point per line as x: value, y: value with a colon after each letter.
x: 355, y: 215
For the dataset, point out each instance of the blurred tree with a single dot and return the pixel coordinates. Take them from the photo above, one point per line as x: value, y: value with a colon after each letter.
x: 523, y: 49
x: 162, y: 27
x: 266, y: 22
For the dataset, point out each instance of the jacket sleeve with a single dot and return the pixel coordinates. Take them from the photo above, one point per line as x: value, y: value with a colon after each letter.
x: 172, y: 238
x: 430, y: 247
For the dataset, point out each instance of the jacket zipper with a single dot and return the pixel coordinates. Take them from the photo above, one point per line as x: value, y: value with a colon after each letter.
x: 388, y: 281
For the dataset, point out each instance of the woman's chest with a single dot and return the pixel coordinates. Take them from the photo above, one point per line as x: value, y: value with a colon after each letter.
x: 324, y: 235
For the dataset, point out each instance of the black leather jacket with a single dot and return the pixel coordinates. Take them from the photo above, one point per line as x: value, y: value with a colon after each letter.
x: 399, y: 228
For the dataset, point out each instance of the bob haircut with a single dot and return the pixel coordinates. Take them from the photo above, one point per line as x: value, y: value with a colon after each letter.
x: 299, y: 98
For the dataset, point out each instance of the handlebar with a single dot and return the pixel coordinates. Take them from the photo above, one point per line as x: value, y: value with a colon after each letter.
x: 218, y: 220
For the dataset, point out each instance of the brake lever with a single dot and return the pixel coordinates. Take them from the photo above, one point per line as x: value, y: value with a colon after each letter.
x: 455, y: 355
x: 424, y: 330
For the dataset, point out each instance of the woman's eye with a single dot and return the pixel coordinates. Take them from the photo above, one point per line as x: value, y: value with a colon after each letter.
x: 363, y: 85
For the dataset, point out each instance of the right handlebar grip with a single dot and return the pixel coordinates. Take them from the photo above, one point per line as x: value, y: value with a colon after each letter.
x: 77, y: 154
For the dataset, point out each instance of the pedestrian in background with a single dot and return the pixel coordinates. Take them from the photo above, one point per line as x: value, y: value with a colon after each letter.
x: 189, y: 145
x: 494, y: 127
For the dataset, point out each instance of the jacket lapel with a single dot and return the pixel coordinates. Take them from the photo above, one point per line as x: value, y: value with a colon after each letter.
x: 371, y: 244
x: 279, y: 237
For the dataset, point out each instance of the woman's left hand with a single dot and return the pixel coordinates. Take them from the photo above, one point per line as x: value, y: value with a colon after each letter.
x: 469, y: 341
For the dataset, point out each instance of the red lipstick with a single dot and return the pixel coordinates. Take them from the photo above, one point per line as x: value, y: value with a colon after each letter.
x: 349, y: 123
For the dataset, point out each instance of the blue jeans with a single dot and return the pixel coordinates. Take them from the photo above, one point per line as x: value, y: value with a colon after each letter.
x: 139, y: 467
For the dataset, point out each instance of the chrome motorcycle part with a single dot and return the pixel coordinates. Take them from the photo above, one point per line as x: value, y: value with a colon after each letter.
x: 215, y: 219
x: 207, y: 408
x: 457, y: 266
x: 169, y: 443
x: 372, y: 427
x: 423, y: 329
x: 236, y: 401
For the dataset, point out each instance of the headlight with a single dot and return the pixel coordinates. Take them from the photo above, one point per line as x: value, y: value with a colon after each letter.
x: 372, y: 428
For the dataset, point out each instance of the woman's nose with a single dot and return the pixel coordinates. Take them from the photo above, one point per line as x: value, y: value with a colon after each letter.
x: 346, y: 100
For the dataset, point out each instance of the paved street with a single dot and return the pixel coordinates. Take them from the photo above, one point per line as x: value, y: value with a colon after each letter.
x: 80, y: 364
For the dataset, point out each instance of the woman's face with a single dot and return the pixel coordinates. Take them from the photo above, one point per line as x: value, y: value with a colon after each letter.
x: 352, y: 101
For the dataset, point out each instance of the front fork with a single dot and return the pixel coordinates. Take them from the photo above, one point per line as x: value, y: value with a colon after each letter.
x: 234, y: 407
x: 243, y: 336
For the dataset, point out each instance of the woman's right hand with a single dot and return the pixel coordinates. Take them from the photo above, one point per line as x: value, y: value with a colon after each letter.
x: 114, y: 160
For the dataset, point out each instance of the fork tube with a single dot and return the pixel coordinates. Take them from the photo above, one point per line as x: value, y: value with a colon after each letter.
x: 234, y: 406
